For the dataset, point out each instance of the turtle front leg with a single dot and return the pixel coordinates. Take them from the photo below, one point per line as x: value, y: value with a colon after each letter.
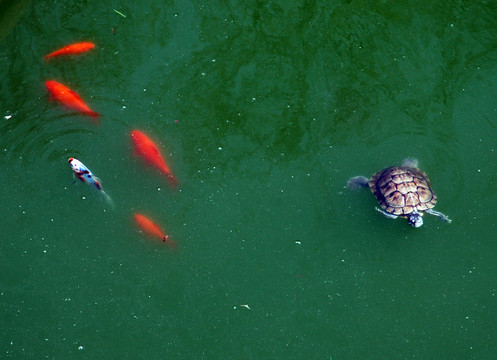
x: 439, y: 214
x: 388, y: 215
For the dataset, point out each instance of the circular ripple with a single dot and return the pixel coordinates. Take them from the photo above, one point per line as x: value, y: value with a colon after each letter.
x: 38, y: 140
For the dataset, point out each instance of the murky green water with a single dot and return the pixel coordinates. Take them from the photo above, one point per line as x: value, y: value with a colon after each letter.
x: 264, y: 110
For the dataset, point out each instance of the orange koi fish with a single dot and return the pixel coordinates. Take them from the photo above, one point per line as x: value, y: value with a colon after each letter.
x: 147, y: 149
x: 152, y: 229
x: 72, y: 49
x: 70, y: 99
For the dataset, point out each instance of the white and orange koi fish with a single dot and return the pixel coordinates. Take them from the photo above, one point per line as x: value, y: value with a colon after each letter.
x: 85, y: 175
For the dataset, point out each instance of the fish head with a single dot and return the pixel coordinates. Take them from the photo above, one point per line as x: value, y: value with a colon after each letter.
x: 75, y: 164
x: 81, y: 171
x: 55, y: 89
x: 137, y: 136
x: 51, y: 85
x: 144, y: 146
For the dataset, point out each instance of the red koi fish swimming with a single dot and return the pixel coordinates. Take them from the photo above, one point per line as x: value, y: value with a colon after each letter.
x: 85, y: 175
x: 153, y: 229
x: 72, y: 49
x: 70, y: 99
x: 147, y: 149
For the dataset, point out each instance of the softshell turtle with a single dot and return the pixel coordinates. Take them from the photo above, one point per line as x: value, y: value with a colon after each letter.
x: 401, y: 191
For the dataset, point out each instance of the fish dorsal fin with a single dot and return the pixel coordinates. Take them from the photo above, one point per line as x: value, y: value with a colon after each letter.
x: 151, y: 150
x: 155, y: 151
x: 76, y: 95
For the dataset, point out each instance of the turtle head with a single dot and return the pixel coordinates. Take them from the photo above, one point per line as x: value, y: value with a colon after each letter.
x: 415, y: 219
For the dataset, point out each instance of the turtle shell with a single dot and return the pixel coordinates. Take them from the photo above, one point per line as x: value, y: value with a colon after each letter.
x: 402, y: 190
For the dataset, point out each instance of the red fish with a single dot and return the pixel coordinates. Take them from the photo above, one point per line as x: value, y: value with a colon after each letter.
x: 70, y: 99
x: 72, y: 49
x: 147, y: 149
x: 153, y: 229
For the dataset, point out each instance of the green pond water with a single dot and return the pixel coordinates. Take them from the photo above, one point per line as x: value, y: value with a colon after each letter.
x: 263, y: 110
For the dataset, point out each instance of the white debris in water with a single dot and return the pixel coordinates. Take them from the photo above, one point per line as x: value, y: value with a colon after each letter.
x: 243, y: 305
x: 7, y: 117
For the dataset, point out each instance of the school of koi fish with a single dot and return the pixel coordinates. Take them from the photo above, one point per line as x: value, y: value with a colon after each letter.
x: 144, y: 147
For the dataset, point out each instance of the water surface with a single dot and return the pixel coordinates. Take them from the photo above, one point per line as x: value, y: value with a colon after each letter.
x: 264, y: 110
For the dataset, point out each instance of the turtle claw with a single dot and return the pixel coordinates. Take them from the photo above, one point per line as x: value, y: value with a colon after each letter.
x: 439, y: 214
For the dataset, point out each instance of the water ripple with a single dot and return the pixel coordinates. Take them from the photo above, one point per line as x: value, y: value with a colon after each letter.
x: 30, y: 140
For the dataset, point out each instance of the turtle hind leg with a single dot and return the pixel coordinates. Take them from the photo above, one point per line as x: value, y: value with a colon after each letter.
x: 439, y: 214
x: 357, y: 182
x: 388, y: 215
x: 410, y: 162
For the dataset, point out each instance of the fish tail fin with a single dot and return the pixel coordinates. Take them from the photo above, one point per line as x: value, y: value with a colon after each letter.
x: 108, y: 200
x: 95, y: 116
x: 173, y: 181
x: 169, y: 242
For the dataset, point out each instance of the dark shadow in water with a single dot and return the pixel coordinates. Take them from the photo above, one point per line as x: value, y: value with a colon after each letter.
x: 10, y: 13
